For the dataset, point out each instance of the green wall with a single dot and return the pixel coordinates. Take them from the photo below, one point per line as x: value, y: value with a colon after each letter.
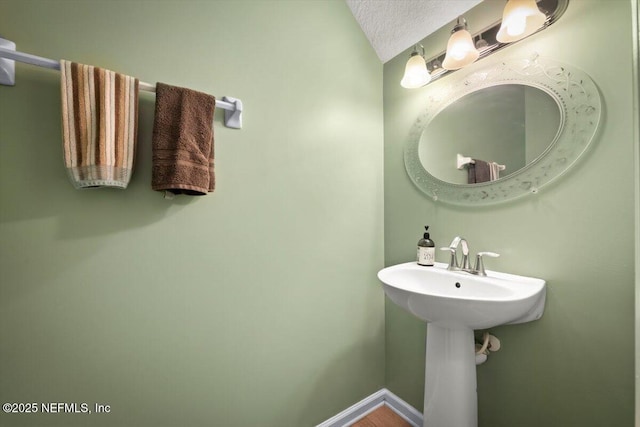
x: 575, y: 366
x: 257, y: 305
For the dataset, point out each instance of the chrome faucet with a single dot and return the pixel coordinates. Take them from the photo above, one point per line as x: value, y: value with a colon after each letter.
x: 465, y: 264
x: 453, y: 249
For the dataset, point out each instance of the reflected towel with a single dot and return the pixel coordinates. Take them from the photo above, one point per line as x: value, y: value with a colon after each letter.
x: 494, y: 169
x: 99, y: 125
x: 479, y: 171
x: 183, y: 152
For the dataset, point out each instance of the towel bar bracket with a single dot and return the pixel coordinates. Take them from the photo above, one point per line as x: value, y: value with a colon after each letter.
x: 462, y: 161
x: 233, y: 118
x: 7, y: 66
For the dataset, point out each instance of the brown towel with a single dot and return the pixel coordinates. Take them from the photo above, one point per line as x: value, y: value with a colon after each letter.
x: 99, y: 125
x: 480, y: 171
x: 183, y: 141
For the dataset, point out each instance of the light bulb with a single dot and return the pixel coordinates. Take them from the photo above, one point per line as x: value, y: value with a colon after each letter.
x: 415, y: 73
x: 460, y: 50
x: 520, y: 19
x: 516, y: 25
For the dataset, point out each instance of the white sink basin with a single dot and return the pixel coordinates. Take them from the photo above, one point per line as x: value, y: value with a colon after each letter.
x: 453, y: 304
x: 458, y: 299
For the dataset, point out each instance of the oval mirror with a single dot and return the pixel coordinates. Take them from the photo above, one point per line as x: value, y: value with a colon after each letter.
x: 502, y: 132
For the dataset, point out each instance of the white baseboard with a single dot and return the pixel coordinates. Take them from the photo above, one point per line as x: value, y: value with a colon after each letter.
x: 370, y: 404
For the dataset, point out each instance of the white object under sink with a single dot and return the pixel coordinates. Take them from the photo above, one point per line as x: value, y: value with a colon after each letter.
x: 454, y: 303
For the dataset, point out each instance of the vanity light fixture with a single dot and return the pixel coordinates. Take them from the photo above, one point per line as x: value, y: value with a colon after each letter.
x: 520, y: 19
x: 461, y: 50
x: 415, y: 72
x: 487, y: 40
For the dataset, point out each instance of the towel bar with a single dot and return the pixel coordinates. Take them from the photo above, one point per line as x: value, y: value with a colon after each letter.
x: 8, y: 56
x: 462, y: 161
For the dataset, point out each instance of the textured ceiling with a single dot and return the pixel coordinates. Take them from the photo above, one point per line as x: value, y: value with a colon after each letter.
x: 395, y: 25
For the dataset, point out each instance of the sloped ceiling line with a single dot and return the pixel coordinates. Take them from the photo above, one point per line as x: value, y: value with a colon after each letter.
x: 392, y: 26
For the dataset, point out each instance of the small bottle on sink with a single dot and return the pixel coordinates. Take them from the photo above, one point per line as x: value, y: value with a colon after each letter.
x: 426, y: 250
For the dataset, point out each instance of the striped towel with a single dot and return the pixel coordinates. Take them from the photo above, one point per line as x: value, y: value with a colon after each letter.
x: 99, y: 125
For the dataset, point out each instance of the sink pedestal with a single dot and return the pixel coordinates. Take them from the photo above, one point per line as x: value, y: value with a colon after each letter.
x: 450, y: 397
x: 454, y: 304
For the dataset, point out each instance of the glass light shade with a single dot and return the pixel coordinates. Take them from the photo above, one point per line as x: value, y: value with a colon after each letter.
x: 415, y: 73
x: 520, y: 19
x: 460, y: 51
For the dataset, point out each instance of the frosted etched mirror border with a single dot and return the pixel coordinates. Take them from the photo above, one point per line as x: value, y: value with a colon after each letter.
x: 578, y: 100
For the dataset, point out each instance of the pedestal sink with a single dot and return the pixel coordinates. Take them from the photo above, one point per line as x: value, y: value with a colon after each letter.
x: 454, y: 304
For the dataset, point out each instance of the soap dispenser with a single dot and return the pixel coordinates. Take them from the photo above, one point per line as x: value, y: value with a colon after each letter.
x: 426, y: 250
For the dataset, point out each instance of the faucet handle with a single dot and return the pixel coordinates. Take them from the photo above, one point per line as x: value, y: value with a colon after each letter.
x: 479, y: 270
x: 489, y: 254
x: 453, y: 261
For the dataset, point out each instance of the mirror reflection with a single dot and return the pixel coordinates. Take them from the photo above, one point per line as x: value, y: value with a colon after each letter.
x: 489, y: 134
